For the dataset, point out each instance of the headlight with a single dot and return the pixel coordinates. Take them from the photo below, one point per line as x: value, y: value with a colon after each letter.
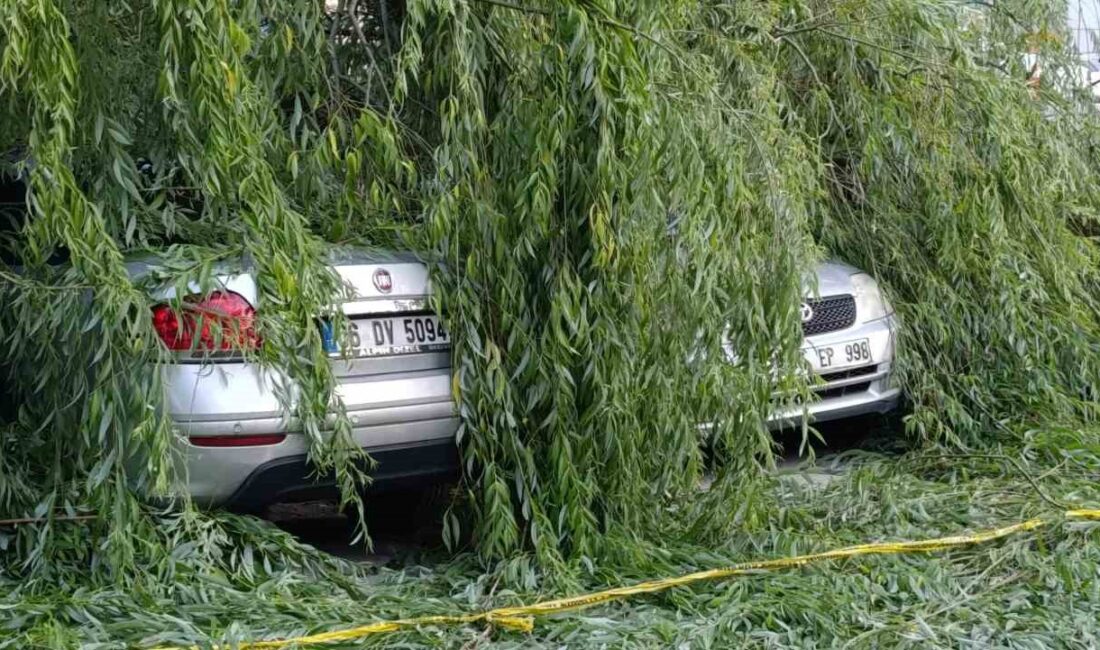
x: 870, y: 303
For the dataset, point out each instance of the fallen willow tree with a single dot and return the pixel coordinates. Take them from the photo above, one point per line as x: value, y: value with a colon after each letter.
x: 609, y: 193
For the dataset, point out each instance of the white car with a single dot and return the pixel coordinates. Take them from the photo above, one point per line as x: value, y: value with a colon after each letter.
x: 850, y: 331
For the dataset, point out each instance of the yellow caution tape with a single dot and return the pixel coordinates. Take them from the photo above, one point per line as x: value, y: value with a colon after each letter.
x: 521, y: 618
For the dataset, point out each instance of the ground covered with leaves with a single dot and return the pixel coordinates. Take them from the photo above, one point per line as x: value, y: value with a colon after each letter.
x: 1032, y: 590
x: 621, y: 204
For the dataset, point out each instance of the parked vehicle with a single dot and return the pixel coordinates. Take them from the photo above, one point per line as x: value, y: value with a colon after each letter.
x: 850, y: 331
x: 241, y: 449
x: 394, y: 376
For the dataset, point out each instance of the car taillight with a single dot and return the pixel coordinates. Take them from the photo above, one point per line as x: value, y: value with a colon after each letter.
x: 219, y: 322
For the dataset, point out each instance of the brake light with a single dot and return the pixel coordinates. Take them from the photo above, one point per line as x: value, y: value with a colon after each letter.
x: 221, y: 321
x: 237, y: 441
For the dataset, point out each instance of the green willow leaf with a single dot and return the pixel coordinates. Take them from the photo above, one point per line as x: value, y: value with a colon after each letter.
x: 609, y: 194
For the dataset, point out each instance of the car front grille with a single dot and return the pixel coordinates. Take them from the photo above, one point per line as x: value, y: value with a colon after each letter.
x: 831, y: 313
x: 826, y: 391
x: 829, y: 377
x: 841, y: 391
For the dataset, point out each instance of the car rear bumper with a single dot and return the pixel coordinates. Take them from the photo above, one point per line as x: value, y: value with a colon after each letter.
x: 217, y: 475
x: 294, y: 478
x: 399, y: 413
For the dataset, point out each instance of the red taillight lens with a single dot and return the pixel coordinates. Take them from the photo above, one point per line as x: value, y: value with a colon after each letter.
x: 237, y: 441
x: 221, y: 321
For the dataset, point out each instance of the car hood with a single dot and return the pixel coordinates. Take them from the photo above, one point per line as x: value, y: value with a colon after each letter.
x: 833, y: 278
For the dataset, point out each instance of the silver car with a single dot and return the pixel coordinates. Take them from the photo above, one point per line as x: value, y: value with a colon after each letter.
x: 395, y: 382
x: 241, y: 450
x: 850, y: 331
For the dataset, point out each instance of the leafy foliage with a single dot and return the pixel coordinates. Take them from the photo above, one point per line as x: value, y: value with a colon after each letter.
x: 624, y: 232
x: 957, y: 190
x: 611, y: 195
x: 1031, y: 590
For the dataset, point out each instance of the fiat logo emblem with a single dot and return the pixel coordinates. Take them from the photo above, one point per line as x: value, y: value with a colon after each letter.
x: 383, y: 281
x: 807, y: 312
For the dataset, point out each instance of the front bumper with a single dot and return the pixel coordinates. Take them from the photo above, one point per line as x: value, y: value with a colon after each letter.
x: 874, y: 397
x: 854, y: 390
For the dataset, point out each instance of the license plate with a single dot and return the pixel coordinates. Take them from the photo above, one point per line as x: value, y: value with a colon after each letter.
x: 388, y: 335
x: 839, y: 355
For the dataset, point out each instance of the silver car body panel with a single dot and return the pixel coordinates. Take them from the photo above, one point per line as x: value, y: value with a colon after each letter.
x: 859, y: 389
x: 862, y: 394
x: 401, y: 399
x: 405, y: 399
x: 830, y: 279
